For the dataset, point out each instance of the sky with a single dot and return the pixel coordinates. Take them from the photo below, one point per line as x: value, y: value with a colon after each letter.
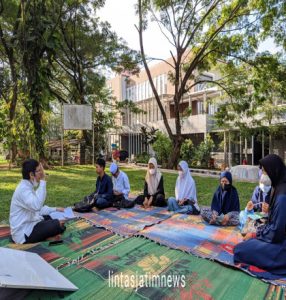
x: 121, y: 15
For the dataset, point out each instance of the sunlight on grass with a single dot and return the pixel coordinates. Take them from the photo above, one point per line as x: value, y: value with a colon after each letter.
x: 68, y: 185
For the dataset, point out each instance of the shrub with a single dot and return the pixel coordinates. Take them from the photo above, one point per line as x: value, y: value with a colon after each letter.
x: 163, y: 147
x: 142, y: 158
x: 187, y: 151
x: 202, y: 153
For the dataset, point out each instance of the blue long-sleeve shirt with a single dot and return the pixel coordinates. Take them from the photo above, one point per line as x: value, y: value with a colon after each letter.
x: 104, y: 187
x: 258, y: 197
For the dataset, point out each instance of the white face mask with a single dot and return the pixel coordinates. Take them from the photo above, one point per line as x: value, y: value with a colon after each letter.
x: 152, y: 171
x: 264, y: 188
x: 181, y: 174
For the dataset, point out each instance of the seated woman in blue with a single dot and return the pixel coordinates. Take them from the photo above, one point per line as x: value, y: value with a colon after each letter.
x: 185, y: 192
x: 225, y: 204
x: 259, y: 201
x: 266, y: 249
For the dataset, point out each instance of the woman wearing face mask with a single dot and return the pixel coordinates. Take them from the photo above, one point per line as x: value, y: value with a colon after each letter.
x: 266, y: 249
x: 185, y: 192
x: 225, y: 204
x: 259, y: 201
x: 154, y: 194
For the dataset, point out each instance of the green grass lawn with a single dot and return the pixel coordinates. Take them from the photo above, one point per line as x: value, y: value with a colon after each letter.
x: 68, y: 185
x: 3, y: 161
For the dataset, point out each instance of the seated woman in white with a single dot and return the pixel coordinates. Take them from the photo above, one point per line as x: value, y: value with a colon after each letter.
x: 185, y: 200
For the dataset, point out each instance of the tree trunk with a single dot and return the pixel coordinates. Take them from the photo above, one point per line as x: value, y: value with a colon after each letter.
x: 38, y: 130
x: 270, y: 144
x: 14, y: 151
x: 224, y: 148
x: 86, y: 142
x: 175, y: 155
x: 82, y: 152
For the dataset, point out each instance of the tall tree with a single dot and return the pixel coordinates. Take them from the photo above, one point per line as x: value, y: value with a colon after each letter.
x: 10, y: 13
x: 200, y: 33
x: 38, y: 40
x: 88, y: 47
x: 253, y: 92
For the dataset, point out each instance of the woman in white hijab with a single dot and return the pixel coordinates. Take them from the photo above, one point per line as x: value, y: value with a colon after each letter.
x: 185, y: 192
x: 154, y: 187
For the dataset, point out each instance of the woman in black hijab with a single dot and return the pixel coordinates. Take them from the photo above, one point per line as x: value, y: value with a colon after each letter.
x: 266, y: 248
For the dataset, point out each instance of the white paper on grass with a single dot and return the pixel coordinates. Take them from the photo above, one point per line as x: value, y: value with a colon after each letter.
x: 26, y: 270
x: 67, y: 214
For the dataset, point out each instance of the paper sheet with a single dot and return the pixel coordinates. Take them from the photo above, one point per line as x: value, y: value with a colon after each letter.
x: 67, y: 214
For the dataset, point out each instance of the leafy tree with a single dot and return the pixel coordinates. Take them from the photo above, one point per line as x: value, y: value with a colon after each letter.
x: 10, y: 12
x: 202, y: 153
x: 56, y: 50
x: 163, y: 147
x: 201, y: 34
x: 253, y: 91
x: 88, y: 46
x: 273, y: 17
x: 187, y: 150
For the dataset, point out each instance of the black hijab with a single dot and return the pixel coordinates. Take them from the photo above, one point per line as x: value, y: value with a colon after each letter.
x: 225, y: 201
x: 276, y: 170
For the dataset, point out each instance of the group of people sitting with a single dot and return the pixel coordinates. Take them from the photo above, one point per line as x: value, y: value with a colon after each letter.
x: 264, y: 242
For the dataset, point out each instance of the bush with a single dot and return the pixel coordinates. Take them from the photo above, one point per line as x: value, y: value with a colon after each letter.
x: 142, y: 158
x: 202, y: 154
x: 163, y: 147
x: 187, y: 151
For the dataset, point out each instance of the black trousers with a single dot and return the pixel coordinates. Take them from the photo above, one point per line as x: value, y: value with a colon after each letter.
x: 158, y: 200
x: 117, y: 198
x: 45, y: 229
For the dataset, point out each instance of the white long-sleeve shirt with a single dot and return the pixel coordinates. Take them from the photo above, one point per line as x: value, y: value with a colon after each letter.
x: 121, y: 184
x: 27, y: 209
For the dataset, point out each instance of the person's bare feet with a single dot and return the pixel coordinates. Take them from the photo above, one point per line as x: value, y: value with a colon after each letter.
x: 212, y: 221
x: 225, y: 220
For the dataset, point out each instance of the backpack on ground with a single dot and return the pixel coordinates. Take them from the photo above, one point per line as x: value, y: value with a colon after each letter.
x: 86, y: 204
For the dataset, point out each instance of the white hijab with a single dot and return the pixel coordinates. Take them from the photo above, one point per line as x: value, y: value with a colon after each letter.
x: 185, y: 185
x: 153, y: 180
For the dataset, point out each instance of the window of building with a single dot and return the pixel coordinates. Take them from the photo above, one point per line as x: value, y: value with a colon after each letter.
x: 200, y: 107
x: 212, y: 109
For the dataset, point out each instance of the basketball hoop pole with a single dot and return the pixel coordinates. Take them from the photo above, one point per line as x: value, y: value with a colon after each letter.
x: 62, y: 135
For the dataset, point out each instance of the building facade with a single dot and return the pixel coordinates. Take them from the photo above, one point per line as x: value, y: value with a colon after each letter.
x: 197, y: 109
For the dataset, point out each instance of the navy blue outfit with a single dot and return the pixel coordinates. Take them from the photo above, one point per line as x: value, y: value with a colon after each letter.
x: 268, y: 250
x: 104, y: 190
x: 225, y: 202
